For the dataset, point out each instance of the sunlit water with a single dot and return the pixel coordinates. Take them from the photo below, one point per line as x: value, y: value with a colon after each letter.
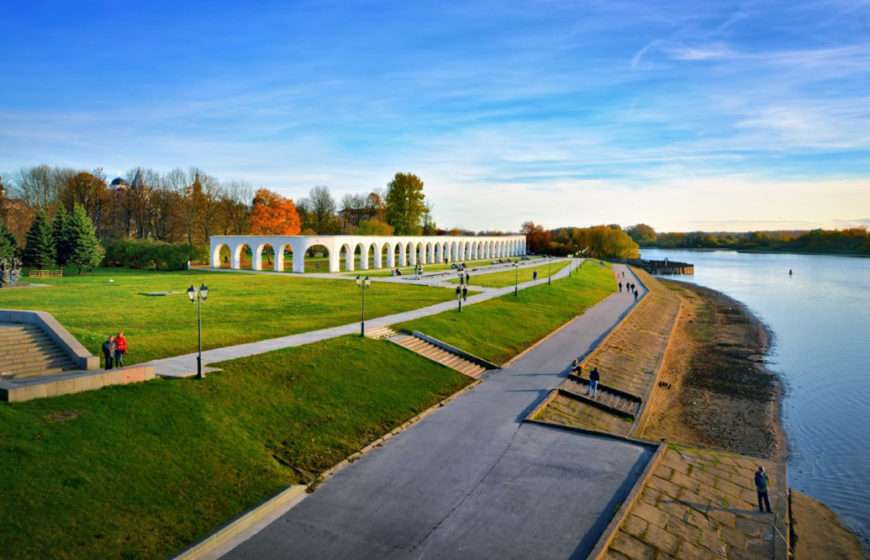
x: 820, y: 318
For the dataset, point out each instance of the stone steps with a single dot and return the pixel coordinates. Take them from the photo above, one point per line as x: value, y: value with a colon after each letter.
x: 607, y: 397
x: 439, y: 355
x: 27, y: 351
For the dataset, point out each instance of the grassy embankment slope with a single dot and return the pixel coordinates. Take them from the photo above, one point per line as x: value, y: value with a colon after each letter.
x: 240, y: 308
x: 501, y: 328
x: 140, y: 471
x: 510, y: 277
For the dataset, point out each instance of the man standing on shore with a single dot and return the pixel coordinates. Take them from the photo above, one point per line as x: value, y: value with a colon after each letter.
x: 761, y: 482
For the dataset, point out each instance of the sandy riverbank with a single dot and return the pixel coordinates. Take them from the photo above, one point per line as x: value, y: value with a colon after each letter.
x: 716, y: 391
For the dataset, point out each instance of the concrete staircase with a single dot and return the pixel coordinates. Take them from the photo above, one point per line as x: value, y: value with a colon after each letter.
x: 27, y: 351
x: 437, y: 354
x: 608, y: 398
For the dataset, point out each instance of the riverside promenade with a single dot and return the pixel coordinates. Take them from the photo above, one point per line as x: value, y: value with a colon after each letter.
x: 472, y: 480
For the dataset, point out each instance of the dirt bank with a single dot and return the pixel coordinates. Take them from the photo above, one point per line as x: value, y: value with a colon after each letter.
x: 818, y: 532
x: 714, y: 389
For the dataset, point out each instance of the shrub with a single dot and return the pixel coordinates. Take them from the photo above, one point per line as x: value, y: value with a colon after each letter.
x: 149, y: 254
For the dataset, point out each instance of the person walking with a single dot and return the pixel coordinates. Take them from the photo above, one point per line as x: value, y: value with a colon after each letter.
x: 465, y: 293
x: 108, y: 352
x: 534, y: 275
x: 635, y: 295
x: 594, y: 377
x: 467, y: 278
x: 761, y: 482
x: 620, y: 287
x: 120, y: 349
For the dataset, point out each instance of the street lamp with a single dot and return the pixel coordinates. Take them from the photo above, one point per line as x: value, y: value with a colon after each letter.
x: 197, y: 297
x: 363, y: 282
x: 549, y: 275
x: 516, y: 279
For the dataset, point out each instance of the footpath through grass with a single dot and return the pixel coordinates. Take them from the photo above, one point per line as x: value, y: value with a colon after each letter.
x: 501, y: 328
x: 141, y: 471
x: 240, y: 307
x: 509, y: 277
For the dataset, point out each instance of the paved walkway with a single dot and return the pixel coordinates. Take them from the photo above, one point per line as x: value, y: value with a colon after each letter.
x: 185, y: 365
x: 471, y: 480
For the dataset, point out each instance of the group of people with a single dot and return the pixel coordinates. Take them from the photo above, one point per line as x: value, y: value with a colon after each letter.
x: 630, y: 288
x: 114, y: 351
x: 462, y: 292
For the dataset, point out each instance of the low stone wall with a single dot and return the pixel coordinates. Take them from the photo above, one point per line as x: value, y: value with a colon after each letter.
x: 59, y: 335
x: 12, y: 390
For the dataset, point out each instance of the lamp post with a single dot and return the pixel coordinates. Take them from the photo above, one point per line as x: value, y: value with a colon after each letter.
x: 516, y: 279
x: 197, y: 296
x: 459, y: 290
x: 549, y: 275
x: 364, y: 283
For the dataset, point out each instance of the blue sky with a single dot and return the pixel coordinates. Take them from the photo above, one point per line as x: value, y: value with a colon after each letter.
x: 683, y: 115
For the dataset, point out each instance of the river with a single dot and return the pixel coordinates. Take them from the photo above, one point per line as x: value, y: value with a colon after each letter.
x: 820, y: 318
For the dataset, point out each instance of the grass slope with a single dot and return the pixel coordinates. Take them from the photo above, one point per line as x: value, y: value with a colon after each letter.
x: 240, y: 308
x: 501, y: 328
x: 509, y: 277
x: 141, y: 471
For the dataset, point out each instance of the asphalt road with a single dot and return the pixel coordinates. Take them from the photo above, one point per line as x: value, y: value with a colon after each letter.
x: 471, y: 480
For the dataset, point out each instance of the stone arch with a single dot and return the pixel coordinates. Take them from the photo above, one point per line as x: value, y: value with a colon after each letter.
x: 430, y: 252
x: 284, y: 257
x: 220, y: 257
x: 410, y: 254
x: 241, y: 256
x: 437, y: 253
x: 420, y: 251
x: 347, y: 257
x: 400, y: 259
x: 317, y: 257
x: 264, y: 254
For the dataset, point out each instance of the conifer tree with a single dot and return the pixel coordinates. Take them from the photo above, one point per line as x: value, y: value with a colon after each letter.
x: 60, y: 232
x: 8, y: 246
x: 39, y: 248
x: 85, y: 249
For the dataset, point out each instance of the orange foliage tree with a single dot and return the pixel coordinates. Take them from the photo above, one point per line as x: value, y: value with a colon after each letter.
x: 273, y: 214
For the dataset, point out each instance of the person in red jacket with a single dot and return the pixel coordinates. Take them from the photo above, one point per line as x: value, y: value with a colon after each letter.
x: 120, y: 349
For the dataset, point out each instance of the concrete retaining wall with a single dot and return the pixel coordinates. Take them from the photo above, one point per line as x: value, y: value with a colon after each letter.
x: 12, y: 390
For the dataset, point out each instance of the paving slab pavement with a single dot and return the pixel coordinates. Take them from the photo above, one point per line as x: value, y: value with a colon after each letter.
x: 472, y: 480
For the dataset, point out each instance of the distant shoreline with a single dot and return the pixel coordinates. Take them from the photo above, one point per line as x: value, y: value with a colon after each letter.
x: 758, y: 251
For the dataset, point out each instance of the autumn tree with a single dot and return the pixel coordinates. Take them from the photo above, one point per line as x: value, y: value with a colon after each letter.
x: 642, y: 234
x: 537, y: 238
x: 272, y: 214
x: 405, y: 204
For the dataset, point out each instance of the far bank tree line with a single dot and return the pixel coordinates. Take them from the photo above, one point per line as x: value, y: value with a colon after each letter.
x: 850, y: 241
x: 604, y: 242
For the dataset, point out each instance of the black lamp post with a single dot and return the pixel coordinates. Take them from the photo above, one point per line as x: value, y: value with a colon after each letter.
x: 516, y: 279
x: 197, y: 297
x: 364, y: 283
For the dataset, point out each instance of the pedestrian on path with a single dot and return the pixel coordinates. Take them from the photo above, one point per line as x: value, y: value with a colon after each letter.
x: 535, y: 275
x: 465, y: 293
x: 620, y: 287
x: 594, y: 377
x: 761, y: 482
x: 120, y: 349
x: 108, y: 352
x: 576, y: 368
x: 635, y: 295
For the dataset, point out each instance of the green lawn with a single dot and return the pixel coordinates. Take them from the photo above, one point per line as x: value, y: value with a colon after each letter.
x: 141, y: 471
x: 240, y: 308
x: 501, y: 328
x: 509, y: 277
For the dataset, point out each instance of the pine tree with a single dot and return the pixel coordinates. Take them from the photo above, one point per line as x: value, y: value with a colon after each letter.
x: 39, y: 248
x: 85, y: 249
x: 8, y: 246
x: 60, y: 232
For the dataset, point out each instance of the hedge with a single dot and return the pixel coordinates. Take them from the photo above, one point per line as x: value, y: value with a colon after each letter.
x: 148, y: 254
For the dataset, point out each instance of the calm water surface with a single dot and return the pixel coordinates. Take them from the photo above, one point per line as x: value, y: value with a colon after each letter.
x: 820, y: 318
